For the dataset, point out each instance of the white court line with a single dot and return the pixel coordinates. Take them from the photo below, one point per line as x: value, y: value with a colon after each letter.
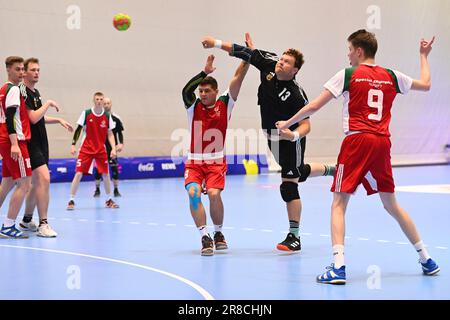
x: 304, y: 233
x: 266, y: 230
x: 171, y: 225
x: 443, y: 248
x: 325, y: 235
x: 66, y: 219
x: 248, y: 229
x: 134, y: 222
x: 383, y: 241
x: 152, y: 224
x: 195, y: 286
x: 83, y: 220
x: 189, y: 225
x: 99, y: 220
x: 116, y: 221
x: 402, y: 243
x: 363, y: 239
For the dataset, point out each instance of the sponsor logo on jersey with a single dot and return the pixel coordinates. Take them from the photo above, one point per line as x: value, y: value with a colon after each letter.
x: 168, y: 166
x: 146, y: 167
x: 270, y: 76
x: 103, y: 124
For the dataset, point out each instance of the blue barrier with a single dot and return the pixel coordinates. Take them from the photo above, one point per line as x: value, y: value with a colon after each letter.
x: 63, y: 170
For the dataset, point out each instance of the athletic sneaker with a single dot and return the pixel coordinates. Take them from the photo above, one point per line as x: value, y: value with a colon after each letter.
x: 97, y: 193
x: 45, y: 231
x: 291, y: 243
x: 117, y: 193
x: 207, y: 246
x: 28, y: 226
x: 332, y: 275
x: 12, y: 232
x: 71, y: 205
x: 219, y: 241
x: 110, y: 204
x: 430, y: 267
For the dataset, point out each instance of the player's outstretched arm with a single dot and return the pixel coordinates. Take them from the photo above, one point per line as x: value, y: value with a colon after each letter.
x: 238, y: 78
x: 424, y: 84
x: 188, y: 92
x: 307, y: 110
x: 233, y: 49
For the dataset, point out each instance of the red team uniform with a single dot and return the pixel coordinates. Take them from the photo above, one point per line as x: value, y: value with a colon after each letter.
x: 365, y: 157
x: 10, y: 96
x: 92, y: 148
x: 208, y: 128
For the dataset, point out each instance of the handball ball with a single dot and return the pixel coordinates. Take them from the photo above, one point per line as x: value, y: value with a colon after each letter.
x: 121, y: 21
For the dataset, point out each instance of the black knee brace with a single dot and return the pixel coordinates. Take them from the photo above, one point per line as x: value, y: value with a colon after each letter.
x: 115, y: 169
x: 289, y: 191
x: 305, y: 171
x: 97, y: 175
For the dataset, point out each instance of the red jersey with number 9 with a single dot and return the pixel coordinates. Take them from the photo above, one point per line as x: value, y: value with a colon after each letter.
x: 369, y: 91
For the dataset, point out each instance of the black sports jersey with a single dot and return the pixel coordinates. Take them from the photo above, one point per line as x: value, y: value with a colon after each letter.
x: 33, y: 101
x: 279, y: 100
x: 117, y: 131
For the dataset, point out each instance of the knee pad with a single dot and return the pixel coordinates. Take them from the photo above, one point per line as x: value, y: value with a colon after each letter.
x: 195, y: 196
x: 289, y: 191
x: 305, y: 171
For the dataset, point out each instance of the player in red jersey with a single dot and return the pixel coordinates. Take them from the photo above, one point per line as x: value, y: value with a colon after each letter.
x: 208, y: 120
x: 14, y: 135
x: 369, y: 91
x: 97, y: 125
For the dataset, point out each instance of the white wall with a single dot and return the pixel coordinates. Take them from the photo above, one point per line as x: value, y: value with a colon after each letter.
x: 144, y: 69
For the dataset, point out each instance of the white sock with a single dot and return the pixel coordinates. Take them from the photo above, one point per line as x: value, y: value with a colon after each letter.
x: 338, y: 254
x: 8, y: 222
x: 203, y: 230
x: 72, y: 197
x: 218, y: 228
x: 108, y: 197
x: 423, y: 252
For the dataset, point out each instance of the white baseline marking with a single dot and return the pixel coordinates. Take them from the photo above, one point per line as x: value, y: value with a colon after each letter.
x: 195, y: 286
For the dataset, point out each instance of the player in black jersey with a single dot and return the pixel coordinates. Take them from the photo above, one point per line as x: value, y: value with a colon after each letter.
x: 118, y: 136
x: 38, y: 196
x: 280, y: 97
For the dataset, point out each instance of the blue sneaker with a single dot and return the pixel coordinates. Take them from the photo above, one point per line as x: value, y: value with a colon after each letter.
x: 332, y: 275
x: 430, y: 267
x: 12, y: 232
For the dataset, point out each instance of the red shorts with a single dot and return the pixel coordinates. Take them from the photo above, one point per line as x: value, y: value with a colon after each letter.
x: 212, y: 173
x: 85, y: 163
x: 15, y: 169
x: 364, y: 158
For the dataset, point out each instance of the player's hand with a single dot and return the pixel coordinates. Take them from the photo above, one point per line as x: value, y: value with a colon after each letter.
x: 208, y: 42
x: 15, y: 152
x: 66, y: 125
x: 249, y: 41
x: 73, y: 150
x: 53, y: 104
x: 113, y: 153
x: 426, y: 46
x: 286, y: 134
x: 119, y: 147
x: 209, y: 68
x: 281, y: 125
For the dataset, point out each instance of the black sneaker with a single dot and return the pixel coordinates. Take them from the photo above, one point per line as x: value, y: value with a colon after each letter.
x: 291, y: 243
x: 97, y: 193
x: 207, y: 246
x: 117, y: 193
x: 219, y: 241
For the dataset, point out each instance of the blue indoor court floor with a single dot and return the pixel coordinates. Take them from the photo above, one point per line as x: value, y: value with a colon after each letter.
x: 150, y: 249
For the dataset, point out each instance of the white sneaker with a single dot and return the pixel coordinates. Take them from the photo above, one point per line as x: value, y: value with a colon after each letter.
x: 46, y: 231
x: 28, y: 226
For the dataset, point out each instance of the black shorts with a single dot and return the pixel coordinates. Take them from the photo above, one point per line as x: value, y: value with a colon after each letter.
x: 289, y: 155
x: 38, y: 154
